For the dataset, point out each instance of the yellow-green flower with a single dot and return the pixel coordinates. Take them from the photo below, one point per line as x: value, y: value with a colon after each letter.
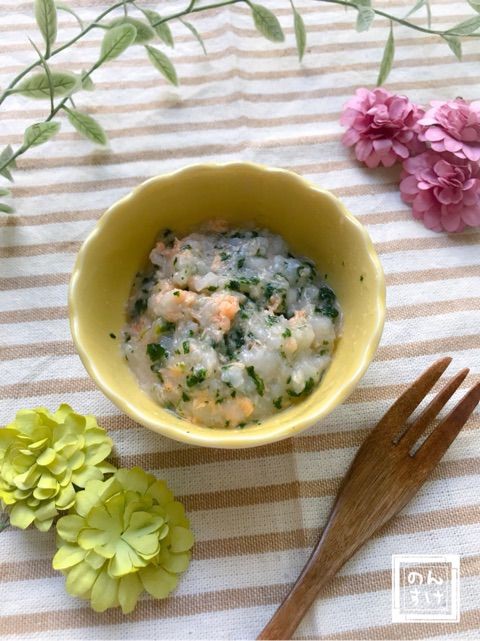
x: 44, y: 456
x: 122, y: 536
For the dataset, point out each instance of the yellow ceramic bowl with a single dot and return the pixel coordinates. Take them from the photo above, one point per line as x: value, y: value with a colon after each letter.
x: 312, y: 221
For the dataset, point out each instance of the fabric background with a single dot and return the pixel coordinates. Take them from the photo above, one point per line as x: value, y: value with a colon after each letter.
x: 257, y: 512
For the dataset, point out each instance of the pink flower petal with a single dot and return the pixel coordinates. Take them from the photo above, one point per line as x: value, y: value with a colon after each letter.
x: 471, y: 216
x: 432, y: 134
x: 350, y: 137
x: 363, y: 149
x: 409, y: 185
x: 348, y: 117
x: 388, y: 160
x: 471, y: 153
x: 373, y: 160
x: 442, y: 168
x: 407, y: 198
x: 469, y: 134
x: 427, y: 121
x: 438, y: 146
x: 400, y: 150
x: 423, y: 200
x: 471, y: 197
x: 382, y: 145
x: 445, y: 196
x: 452, y: 223
x: 381, y: 94
x: 414, y: 165
x: 431, y: 220
x: 424, y: 185
x: 397, y: 107
x: 451, y: 144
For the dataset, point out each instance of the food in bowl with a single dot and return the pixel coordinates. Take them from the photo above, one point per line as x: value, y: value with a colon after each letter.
x: 312, y: 221
x: 227, y: 327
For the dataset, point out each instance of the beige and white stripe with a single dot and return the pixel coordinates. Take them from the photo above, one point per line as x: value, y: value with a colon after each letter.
x: 256, y: 512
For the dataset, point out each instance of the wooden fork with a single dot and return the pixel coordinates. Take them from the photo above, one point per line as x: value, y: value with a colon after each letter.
x: 383, y: 477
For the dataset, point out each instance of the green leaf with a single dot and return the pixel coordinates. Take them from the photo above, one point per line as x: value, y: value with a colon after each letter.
x: 39, y: 133
x: 37, y: 86
x: 267, y: 23
x: 48, y: 73
x: 116, y: 40
x: 195, y: 33
x: 4, y: 192
x: 6, y: 174
x: 475, y: 4
x: 87, y: 126
x: 162, y: 30
x: 300, y: 33
x: 365, y: 17
x: 455, y: 45
x: 465, y: 28
x: 162, y: 63
x: 387, y: 60
x: 64, y: 7
x: 86, y: 82
x: 416, y: 8
x: 6, y: 209
x: 144, y: 31
x: 429, y: 14
x: 5, y: 156
x: 46, y: 17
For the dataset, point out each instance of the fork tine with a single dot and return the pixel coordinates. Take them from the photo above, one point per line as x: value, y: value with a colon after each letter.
x: 398, y: 413
x: 445, y: 433
x: 416, y: 429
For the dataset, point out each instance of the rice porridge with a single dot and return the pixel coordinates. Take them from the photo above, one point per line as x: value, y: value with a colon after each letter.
x: 227, y: 327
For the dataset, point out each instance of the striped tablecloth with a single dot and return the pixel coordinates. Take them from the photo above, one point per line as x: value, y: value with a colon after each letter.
x: 256, y: 513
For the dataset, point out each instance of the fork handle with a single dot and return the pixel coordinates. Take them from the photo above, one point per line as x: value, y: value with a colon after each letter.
x: 369, y: 496
x: 322, y: 566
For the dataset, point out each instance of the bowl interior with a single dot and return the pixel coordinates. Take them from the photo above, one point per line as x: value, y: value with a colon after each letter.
x: 313, y: 223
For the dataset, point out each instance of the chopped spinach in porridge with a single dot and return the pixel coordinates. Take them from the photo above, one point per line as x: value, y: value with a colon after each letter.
x: 226, y: 327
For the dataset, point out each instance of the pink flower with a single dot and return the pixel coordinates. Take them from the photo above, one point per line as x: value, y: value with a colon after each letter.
x: 453, y: 126
x: 444, y: 190
x: 381, y: 126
